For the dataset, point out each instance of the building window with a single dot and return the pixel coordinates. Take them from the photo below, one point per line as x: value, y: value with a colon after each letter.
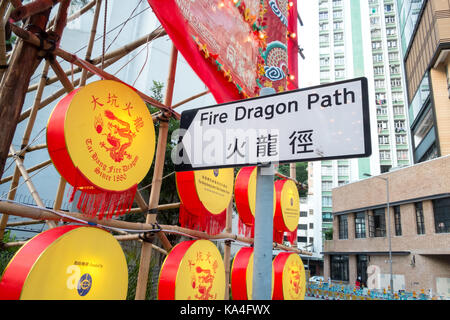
x: 324, y: 62
x: 323, y: 15
x: 392, y: 44
x: 323, y: 26
x: 441, y: 208
x: 337, y: 14
x: 419, y: 218
x: 393, y: 56
x: 302, y: 239
x: 378, y: 71
x: 338, y: 25
x: 383, y: 140
x: 343, y: 227
x: 391, y: 31
x: 339, y: 61
x: 390, y: 19
x: 397, y: 221
x: 400, y: 139
x: 302, y: 227
x: 343, y: 171
x: 377, y: 224
x: 311, y: 225
x: 399, y: 110
x: 382, y: 125
x: 385, y: 155
x: 339, y: 267
x: 327, y: 217
x: 378, y: 57
x: 326, y: 201
x: 399, y: 126
x: 394, y: 69
x: 327, y: 170
x: 360, y: 225
x: 402, y: 154
x: 376, y: 45
x: 327, y: 185
x: 303, y: 213
x: 396, y: 83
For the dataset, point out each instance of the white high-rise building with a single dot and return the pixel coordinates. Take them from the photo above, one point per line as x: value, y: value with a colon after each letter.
x: 347, y: 39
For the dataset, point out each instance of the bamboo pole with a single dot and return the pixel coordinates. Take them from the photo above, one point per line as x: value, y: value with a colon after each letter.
x: 32, y: 8
x: 75, y: 15
x: 30, y: 170
x: 29, y: 149
x: 14, y: 86
x: 34, y: 40
x: 3, y: 66
x: 98, y: 5
x: 37, y: 213
x: 60, y: 92
x: 30, y: 185
x: 190, y: 99
x: 16, y: 3
x: 121, y: 52
x: 10, y: 78
x: 227, y: 251
x: 146, y: 250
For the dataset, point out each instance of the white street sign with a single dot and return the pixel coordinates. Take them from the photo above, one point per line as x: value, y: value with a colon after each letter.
x: 319, y: 123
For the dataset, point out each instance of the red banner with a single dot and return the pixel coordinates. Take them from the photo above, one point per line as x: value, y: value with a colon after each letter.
x: 236, y: 47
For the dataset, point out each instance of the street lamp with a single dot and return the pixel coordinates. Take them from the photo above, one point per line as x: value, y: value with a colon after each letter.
x: 389, y: 229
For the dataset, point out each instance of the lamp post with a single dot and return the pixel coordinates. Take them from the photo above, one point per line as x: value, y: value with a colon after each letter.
x: 391, y: 280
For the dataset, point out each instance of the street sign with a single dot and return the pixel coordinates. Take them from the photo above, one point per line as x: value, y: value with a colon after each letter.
x: 319, y: 123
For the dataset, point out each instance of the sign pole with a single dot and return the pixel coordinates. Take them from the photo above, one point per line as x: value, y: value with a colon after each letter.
x: 263, y: 241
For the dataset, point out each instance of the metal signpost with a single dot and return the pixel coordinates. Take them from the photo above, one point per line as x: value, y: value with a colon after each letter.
x: 319, y: 123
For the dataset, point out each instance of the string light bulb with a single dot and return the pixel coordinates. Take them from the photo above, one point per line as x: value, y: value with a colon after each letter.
x: 293, y: 35
x: 221, y: 4
x: 291, y: 4
x: 291, y: 77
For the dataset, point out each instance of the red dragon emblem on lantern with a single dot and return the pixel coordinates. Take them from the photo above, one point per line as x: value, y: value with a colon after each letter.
x: 119, y: 135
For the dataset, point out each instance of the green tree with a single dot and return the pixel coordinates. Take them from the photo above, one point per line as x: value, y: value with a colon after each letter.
x: 301, y: 175
x: 6, y: 254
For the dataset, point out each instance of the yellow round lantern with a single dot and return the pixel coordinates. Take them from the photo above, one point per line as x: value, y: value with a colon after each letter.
x: 101, y: 139
x: 67, y: 263
x: 289, y: 280
x: 193, y: 270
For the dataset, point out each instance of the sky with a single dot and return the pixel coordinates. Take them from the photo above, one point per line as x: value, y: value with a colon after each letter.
x: 308, y: 39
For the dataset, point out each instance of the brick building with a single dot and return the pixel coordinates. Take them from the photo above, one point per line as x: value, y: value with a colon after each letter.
x: 419, y: 201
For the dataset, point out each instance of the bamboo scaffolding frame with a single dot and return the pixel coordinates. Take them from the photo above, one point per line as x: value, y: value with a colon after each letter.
x: 32, y: 8
x: 29, y: 170
x: 61, y: 92
x: 37, y: 213
x: 30, y: 185
x: 98, y: 4
x: 88, y: 68
x: 29, y: 149
x: 25, y: 139
x: 141, y: 286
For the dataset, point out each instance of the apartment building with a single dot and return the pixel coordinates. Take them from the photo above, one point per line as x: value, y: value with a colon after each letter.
x: 425, y: 39
x: 417, y: 225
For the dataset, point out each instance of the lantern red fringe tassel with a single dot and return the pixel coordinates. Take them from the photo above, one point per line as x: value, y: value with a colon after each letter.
x: 202, y: 220
x: 95, y: 202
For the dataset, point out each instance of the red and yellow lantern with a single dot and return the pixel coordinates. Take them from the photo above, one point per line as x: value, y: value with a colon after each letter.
x: 242, y: 274
x: 67, y: 263
x: 101, y: 139
x: 287, y: 210
x: 205, y: 196
x: 245, y: 198
x: 289, y: 282
x: 193, y: 270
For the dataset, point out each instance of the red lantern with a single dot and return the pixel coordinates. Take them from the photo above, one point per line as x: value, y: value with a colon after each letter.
x: 205, y: 196
x: 287, y: 210
x: 289, y: 282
